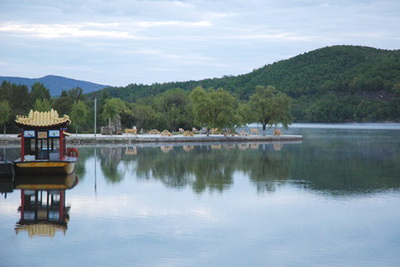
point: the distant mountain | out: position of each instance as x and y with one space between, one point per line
55 84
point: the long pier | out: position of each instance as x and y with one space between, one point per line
157 138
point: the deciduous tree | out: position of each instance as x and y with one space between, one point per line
5 113
39 91
79 114
42 104
112 108
63 104
143 114
271 107
172 106
214 108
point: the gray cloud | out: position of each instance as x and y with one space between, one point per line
120 42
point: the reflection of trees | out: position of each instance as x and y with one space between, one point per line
340 166
170 168
110 157
211 167
334 164
200 167
266 166
84 154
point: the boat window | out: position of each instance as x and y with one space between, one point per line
43 152
30 146
55 199
33 147
54 144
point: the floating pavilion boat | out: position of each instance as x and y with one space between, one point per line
43 144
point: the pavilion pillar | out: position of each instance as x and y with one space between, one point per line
62 147
22 146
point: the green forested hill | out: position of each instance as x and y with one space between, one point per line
332 84
340 69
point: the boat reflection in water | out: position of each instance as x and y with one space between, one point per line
43 211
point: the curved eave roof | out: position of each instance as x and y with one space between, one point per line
41 229
38 119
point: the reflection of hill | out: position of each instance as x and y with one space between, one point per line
348 165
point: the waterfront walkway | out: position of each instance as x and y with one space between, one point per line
157 138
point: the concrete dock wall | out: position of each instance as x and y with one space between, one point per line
148 138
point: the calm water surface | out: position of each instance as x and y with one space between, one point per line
332 200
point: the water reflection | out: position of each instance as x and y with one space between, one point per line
6 184
344 166
109 161
203 167
346 163
42 209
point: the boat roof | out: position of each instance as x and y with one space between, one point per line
41 229
44 119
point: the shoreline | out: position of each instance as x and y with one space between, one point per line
156 138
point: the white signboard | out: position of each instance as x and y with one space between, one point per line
29 134
54 133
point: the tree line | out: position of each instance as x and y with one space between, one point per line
330 85
171 110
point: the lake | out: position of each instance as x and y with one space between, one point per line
330 200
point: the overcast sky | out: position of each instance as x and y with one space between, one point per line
120 42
